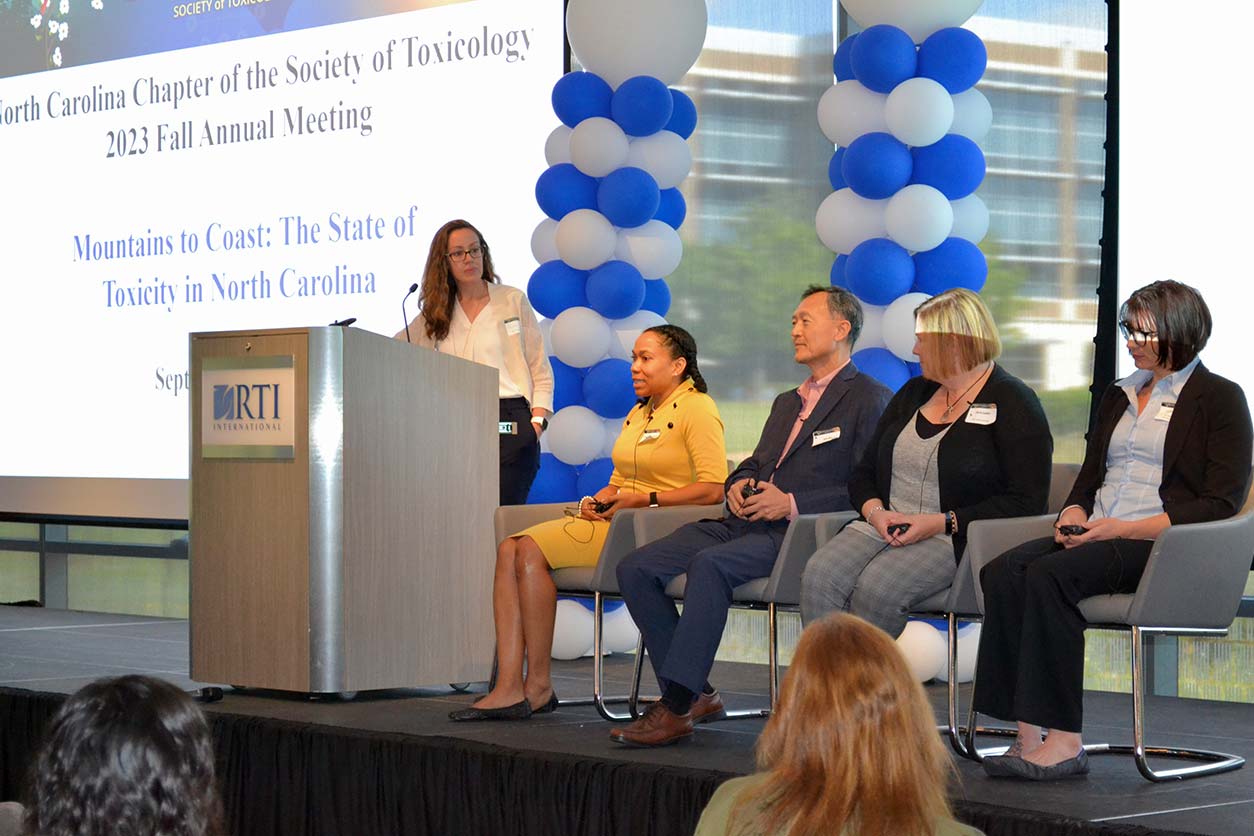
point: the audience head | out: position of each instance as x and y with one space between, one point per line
448 260
663 356
827 322
954 333
852 745
1174 316
125 757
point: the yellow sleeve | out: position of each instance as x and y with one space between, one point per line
703 435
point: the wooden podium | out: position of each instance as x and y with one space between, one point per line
345 543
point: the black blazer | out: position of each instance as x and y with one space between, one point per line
1206 454
985 471
818 477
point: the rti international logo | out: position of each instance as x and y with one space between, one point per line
254 406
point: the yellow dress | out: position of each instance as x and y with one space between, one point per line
675 445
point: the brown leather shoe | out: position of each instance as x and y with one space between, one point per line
658 727
708 707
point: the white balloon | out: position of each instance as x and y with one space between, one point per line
613 426
973 115
899 326
919 111
576 434
654 248
919 18
665 155
618 632
919 217
598 146
628 329
546 331
544 241
572 629
924 648
845 219
970 219
848 110
580 337
618 40
557 146
968 649
585 239
872 335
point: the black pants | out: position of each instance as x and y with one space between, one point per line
1031 662
520 453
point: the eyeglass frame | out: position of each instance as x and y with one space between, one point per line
463 255
1137 336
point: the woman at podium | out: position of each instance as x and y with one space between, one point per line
466 311
670 452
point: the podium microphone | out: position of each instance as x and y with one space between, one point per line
412 288
344 323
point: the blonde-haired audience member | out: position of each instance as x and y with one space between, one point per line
851 749
964 441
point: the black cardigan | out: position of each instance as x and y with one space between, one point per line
1206 454
985 471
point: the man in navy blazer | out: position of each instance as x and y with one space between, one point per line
810 443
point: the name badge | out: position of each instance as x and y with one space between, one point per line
649 435
512 326
824 436
982 414
1164 411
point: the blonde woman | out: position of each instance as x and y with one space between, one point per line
851 749
965 441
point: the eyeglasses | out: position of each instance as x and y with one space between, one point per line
475 253
1137 337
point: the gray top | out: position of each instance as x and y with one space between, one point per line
916 480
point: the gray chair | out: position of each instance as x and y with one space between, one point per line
780 590
1192 586
596 582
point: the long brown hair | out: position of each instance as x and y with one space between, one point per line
439 288
852 746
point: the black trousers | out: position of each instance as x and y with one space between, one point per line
1031 662
520 453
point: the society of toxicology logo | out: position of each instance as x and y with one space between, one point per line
247 406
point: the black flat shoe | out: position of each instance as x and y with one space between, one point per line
549 707
1020 768
517 711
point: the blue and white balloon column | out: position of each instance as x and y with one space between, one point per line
903 219
613 208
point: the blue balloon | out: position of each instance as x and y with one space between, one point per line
556 286
955 263
555 482
657 296
833 170
953 57
916 369
841 66
615 290
593 476
683 119
954 166
883 57
671 208
840 277
883 365
567 385
579 96
879 270
563 188
607 389
642 105
876 165
628 197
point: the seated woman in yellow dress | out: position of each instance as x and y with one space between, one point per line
670 452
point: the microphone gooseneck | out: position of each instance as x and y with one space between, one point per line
412 289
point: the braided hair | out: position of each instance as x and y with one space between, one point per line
681 344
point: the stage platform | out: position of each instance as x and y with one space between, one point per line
391 762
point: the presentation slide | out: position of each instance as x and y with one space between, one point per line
1182 182
179 167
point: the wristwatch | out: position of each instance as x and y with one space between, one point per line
653 503
540 421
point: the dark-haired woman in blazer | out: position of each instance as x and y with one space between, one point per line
1171 445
